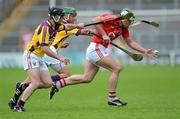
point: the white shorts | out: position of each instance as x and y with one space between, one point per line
52 62
30 61
95 52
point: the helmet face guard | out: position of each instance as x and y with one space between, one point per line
56 14
56 18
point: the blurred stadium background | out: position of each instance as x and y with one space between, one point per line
152 91
18 13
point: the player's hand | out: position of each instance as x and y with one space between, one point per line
80 25
89 31
106 38
151 53
65 60
65 45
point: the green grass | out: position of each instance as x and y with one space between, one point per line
152 92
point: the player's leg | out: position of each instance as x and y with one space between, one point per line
57 66
64 72
61 69
34 76
32 64
109 63
87 77
92 56
20 87
45 79
89 74
120 55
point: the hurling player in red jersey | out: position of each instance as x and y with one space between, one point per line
96 55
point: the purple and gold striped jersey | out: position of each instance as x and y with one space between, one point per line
62 35
43 36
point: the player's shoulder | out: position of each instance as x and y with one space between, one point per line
108 16
44 23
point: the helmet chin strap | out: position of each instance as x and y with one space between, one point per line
56 20
67 18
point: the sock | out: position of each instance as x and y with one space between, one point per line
55 78
21 103
61 83
19 91
112 94
24 86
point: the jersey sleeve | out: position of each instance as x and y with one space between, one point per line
44 36
74 32
61 27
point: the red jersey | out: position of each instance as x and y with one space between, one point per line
113 29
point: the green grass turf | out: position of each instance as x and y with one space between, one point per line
152 92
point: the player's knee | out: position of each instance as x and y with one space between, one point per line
35 84
48 83
67 75
117 69
86 79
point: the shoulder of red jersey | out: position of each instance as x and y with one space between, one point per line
108 16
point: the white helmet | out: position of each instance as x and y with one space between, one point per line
127 13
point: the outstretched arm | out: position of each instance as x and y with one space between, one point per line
134 45
86 31
73 26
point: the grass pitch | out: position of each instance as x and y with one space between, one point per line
152 92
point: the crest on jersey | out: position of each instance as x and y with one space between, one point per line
34 63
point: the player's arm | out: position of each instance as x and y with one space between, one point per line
77 32
73 26
69 26
44 46
50 53
100 29
134 45
86 31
